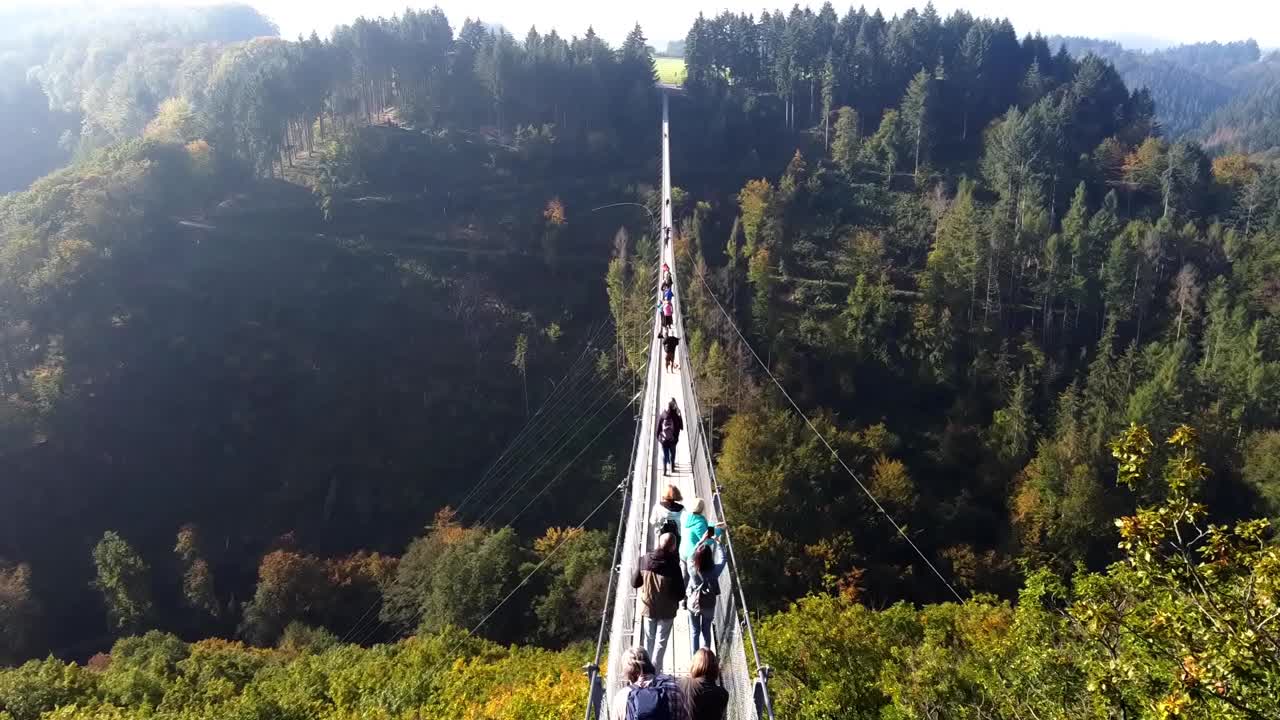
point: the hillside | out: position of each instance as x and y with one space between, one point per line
1221 94
74 82
310 377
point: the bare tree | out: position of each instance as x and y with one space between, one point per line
1185 295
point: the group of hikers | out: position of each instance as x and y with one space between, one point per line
651 695
682 571
666 312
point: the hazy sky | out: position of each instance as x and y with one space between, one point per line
1164 20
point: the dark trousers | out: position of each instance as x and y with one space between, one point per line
669 456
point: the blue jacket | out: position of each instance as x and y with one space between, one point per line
695 526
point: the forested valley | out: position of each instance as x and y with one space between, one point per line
312 351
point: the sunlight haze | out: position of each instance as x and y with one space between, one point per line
1137 24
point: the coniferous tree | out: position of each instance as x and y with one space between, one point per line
845 146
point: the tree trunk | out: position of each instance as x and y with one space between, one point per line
916 173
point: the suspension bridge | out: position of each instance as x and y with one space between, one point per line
742 673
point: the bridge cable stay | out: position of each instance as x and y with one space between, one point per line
866 491
576 404
567 396
563 470
586 420
569 464
562 391
550 404
551 440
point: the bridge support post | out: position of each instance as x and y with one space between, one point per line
764 703
595 692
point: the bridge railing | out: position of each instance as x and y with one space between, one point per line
748 691
623 633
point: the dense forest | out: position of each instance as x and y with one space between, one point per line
1224 94
326 347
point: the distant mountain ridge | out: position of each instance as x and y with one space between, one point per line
1226 95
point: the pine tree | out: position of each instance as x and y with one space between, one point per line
1076 242
917 109
844 149
1013 427
955 259
828 98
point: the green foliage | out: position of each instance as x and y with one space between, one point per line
444 675
1177 628
19 613
455 576
124 579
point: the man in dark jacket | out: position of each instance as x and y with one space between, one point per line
661 589
670 343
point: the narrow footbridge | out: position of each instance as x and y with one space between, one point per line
742 673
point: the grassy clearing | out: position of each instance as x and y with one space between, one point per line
670 70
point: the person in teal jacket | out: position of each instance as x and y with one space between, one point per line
695 527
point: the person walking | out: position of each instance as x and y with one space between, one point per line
648 695
670 343
670 423
707 699
667 513
694 527
704 589
668 314
661 590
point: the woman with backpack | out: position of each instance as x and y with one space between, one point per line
670 423
666 515
648 694
704 588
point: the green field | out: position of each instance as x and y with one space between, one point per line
670 70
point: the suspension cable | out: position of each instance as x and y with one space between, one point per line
828 445
527 476
572 460
541 447
543 411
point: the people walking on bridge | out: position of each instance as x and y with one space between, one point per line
648 695
667 514
707 699
668 313
670 424
667 294
661 591
703 584
670 343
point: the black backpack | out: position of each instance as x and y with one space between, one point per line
653 702
668 428
668 525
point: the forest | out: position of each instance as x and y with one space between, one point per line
311 351
1221 93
